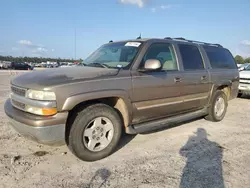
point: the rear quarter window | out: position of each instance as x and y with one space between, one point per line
220 58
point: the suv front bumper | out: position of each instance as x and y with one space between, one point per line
244 88
46 130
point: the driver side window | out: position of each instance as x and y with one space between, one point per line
164 53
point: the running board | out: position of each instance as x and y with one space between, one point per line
165 122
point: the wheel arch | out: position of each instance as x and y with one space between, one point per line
223 86
118 99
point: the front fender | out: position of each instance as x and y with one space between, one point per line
72 101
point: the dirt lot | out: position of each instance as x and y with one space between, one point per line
195 154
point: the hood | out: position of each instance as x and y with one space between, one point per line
57 76
245 74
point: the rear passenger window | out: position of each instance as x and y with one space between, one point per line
191 57
220 57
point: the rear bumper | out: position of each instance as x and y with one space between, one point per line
45 130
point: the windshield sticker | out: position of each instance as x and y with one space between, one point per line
134 44
119 66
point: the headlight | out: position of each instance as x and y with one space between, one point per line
41 95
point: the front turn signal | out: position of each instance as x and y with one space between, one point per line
49 111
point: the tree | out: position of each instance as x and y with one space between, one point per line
239 59
247 60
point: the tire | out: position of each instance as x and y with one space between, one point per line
212 115
239 95
78 143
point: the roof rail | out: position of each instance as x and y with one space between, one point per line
197 42
218 45
179 38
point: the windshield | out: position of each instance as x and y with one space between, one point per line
247 67
114 55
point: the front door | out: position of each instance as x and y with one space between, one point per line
156 94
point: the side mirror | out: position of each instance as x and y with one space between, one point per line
152 65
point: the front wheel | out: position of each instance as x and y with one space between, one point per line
95 132
218 108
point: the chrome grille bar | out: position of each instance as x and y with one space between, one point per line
18 91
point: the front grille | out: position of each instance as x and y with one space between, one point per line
244 82
245 78
18 105
18 91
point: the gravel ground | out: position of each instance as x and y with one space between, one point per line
194 154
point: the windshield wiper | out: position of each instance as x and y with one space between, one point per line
97 65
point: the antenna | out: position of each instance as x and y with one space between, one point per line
139 37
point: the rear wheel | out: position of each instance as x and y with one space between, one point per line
218 108
95 133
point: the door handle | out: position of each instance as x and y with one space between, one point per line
177 79
203 78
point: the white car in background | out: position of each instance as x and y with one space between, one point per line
243 66
244 86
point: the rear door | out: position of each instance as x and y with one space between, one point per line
195 77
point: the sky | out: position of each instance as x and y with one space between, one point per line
56 28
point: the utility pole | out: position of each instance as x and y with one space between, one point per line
75 43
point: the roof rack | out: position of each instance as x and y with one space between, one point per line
179 38
193 41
